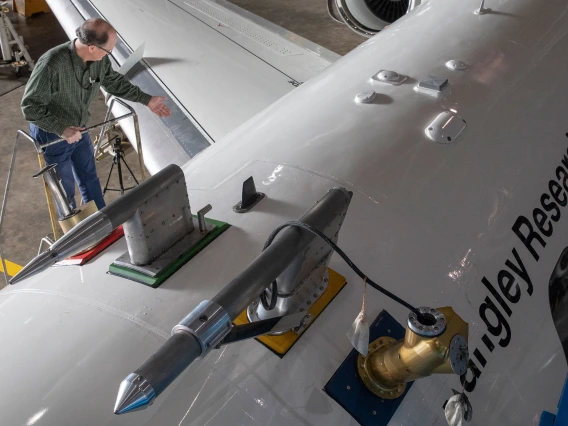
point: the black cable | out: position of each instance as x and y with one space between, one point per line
273 297
343 256
87 68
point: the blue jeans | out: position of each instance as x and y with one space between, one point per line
74 161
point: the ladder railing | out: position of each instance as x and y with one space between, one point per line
39 151
134 116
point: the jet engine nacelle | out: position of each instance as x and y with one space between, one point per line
368 17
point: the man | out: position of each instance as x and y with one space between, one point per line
56 102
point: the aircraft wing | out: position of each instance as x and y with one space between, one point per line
219 64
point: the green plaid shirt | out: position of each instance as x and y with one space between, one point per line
54 99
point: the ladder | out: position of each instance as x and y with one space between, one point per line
14 52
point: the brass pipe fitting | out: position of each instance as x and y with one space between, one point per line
436 343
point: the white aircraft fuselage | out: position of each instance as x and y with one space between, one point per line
477 223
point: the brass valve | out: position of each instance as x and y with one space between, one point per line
435 343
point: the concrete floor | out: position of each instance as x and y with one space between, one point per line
308 19
26 219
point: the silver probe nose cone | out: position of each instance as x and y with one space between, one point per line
35 266
134 394
88 232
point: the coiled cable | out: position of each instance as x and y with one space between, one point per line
274 287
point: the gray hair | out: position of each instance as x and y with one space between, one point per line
94 31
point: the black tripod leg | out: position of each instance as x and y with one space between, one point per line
108 179
118 157
132 174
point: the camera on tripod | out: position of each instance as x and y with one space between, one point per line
117 146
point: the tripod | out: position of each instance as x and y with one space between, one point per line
118 154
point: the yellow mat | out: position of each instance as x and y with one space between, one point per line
282 343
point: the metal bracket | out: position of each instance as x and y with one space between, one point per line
168 256
308 295
459 354
159 223
275 325
305 279
201 219
44 240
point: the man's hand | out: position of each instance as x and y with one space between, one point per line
72 134
157 106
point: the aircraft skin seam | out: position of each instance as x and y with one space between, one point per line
337 181
293 80
86 301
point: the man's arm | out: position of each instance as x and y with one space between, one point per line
36 100
118 85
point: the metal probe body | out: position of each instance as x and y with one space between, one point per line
102 223
187 344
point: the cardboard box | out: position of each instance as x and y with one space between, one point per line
29 7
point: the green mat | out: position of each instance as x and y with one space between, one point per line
156 281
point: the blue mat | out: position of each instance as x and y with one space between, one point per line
351 393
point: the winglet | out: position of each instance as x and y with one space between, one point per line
132 60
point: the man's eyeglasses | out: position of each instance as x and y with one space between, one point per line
102 48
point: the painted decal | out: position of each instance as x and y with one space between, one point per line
513 281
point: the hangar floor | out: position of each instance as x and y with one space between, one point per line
26 220
308 19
